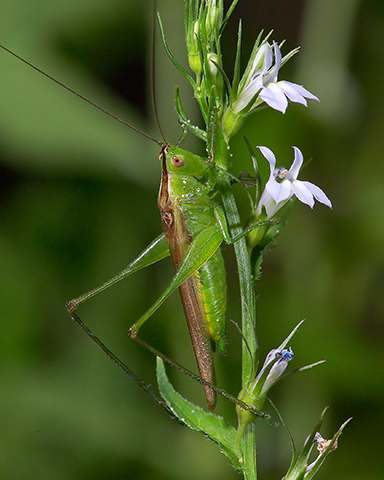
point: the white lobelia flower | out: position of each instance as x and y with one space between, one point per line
274 366
276 195
281 358
265 82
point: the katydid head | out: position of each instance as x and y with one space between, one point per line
178 161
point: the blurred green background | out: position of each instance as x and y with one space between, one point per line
78 202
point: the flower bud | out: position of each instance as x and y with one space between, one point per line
194 58
214 19
212 61
254 394
278 368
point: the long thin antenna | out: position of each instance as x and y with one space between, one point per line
155 114
84 98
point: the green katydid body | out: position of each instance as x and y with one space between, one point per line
188 216
194 228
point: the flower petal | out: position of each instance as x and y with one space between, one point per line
303 193
274 97
248 93
256 61
285 191
277 52
267 57
274 189
299 90
291 92
270 156
318 193
296 165
272 76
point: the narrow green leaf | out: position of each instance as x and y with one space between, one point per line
215 427
173 60
226 18
236 73
184 120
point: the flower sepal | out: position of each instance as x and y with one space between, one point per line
232 122
300 468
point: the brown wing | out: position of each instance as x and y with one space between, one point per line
178 239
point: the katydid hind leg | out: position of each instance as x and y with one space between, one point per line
200 250
131 374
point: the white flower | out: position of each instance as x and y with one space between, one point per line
265 82
276 195
281 358
274 366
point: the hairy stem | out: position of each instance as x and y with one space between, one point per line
248 301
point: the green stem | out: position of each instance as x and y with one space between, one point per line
248 300
248 305
249 452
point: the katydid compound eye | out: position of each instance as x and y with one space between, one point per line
178 161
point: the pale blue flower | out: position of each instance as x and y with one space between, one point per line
281 358
276 194
264 82
274 366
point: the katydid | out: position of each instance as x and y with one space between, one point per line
194 227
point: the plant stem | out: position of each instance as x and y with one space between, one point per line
248 304
249 452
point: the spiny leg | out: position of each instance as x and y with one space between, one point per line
119 363
198 379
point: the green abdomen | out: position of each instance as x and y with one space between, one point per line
214 297
210 278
